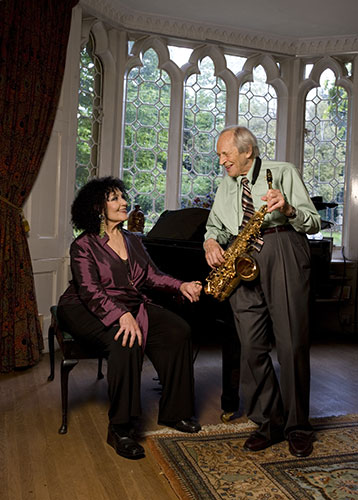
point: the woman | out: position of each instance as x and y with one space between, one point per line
105 306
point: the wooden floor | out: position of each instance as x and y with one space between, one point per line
38 463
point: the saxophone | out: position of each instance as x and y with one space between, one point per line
238 263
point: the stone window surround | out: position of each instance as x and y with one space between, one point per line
288 81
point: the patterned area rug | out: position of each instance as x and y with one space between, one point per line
212 465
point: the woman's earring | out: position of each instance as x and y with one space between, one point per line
102 226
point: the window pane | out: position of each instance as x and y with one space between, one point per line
325 149
204 117
89 115
145 147
258 112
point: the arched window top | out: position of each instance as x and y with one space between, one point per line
337 70
206 76
327 74
218 61
268 64
152 45
259 74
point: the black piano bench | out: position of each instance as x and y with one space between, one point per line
72 352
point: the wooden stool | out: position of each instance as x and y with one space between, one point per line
72 352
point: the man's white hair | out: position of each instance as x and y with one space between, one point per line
244 139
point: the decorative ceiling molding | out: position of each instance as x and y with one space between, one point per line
122 17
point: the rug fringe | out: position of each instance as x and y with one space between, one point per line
236 427
209 428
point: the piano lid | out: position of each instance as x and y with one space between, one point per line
186 224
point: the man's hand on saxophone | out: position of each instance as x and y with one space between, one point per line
276 201
213 253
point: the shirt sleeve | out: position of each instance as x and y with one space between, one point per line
215 228
222 222
92 293
307 218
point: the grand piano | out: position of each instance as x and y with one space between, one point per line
175 244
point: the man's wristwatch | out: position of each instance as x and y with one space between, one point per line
292 213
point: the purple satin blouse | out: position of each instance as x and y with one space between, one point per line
101 281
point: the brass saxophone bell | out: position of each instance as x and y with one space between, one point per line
246 267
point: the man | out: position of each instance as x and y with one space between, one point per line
277 301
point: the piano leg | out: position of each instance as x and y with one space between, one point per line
231 351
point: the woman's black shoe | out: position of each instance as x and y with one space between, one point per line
124 445
183 425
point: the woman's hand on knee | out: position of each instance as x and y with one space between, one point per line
129 329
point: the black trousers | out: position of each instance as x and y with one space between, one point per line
168 347
277 303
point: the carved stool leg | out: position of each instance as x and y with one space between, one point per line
51 348
66 367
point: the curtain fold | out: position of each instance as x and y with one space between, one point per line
33 42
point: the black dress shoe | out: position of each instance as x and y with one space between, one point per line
300 443
257 442
183 426
124 445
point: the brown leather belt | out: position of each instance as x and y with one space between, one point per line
277 229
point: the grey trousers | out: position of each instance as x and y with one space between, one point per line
275 306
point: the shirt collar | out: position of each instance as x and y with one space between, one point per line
253 173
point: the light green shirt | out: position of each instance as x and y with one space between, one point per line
226 214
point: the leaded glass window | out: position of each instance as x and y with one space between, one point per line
325 146
89 115
145 147
204 118
258 112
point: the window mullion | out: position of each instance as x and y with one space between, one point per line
175 146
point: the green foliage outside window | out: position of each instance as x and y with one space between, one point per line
146 133
258 112
204 118
325 149
145 147
89 115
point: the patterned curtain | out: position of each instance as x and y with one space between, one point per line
33 42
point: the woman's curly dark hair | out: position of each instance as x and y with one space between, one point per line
91 201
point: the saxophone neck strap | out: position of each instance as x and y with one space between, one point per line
257 168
